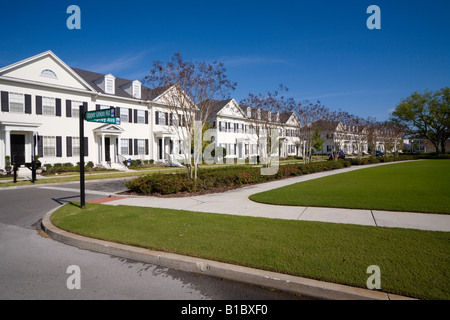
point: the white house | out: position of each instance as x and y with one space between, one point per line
40 106
238 129
40 103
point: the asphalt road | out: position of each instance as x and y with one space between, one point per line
33 266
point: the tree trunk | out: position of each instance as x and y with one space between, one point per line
443 146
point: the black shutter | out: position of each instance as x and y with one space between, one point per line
58 107
136 150
69 146
146 117
146 147
59 147
130 147
156 117
5 101
171 119
117 112
97 107
86 146
135 116
38 105
130 115
68 108
28 103
40 144
167 118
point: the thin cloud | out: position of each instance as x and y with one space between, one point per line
253 60
118 64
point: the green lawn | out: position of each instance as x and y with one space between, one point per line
418 186
413 262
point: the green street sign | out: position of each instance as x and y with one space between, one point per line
99 114
107 120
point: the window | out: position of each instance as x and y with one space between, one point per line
49 146
141 146
137 90
76 108
124 146
48 106
75 146
140 116
161 118
48 74
124 116
109 85
16 102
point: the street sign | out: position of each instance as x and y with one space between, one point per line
99 114
107 120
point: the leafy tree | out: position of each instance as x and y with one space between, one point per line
426 116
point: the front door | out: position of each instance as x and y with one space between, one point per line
17 149
107 149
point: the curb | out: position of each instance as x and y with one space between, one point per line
298 285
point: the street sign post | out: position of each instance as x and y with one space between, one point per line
82 184
107 120
100 114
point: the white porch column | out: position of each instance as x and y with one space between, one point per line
102 149
8 143
119 149
163 148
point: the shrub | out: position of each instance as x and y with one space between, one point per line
233 176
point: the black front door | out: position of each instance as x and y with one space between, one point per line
107 150
17 149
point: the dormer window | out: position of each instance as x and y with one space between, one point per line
109 84
136 89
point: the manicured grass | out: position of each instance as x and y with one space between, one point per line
419 186
413 262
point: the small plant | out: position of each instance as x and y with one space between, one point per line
8 160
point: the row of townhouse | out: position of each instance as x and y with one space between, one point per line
41 99
354 140
239 129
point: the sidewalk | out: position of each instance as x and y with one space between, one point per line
237 202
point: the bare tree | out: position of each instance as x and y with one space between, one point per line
190 89
311 117
264 108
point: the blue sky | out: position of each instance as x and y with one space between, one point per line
320 50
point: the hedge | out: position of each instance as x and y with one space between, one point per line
227 177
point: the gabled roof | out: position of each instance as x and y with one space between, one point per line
54 57
91 78
215 106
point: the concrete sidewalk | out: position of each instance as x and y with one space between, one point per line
237 202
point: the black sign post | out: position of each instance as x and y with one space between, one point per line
105 116
82 185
